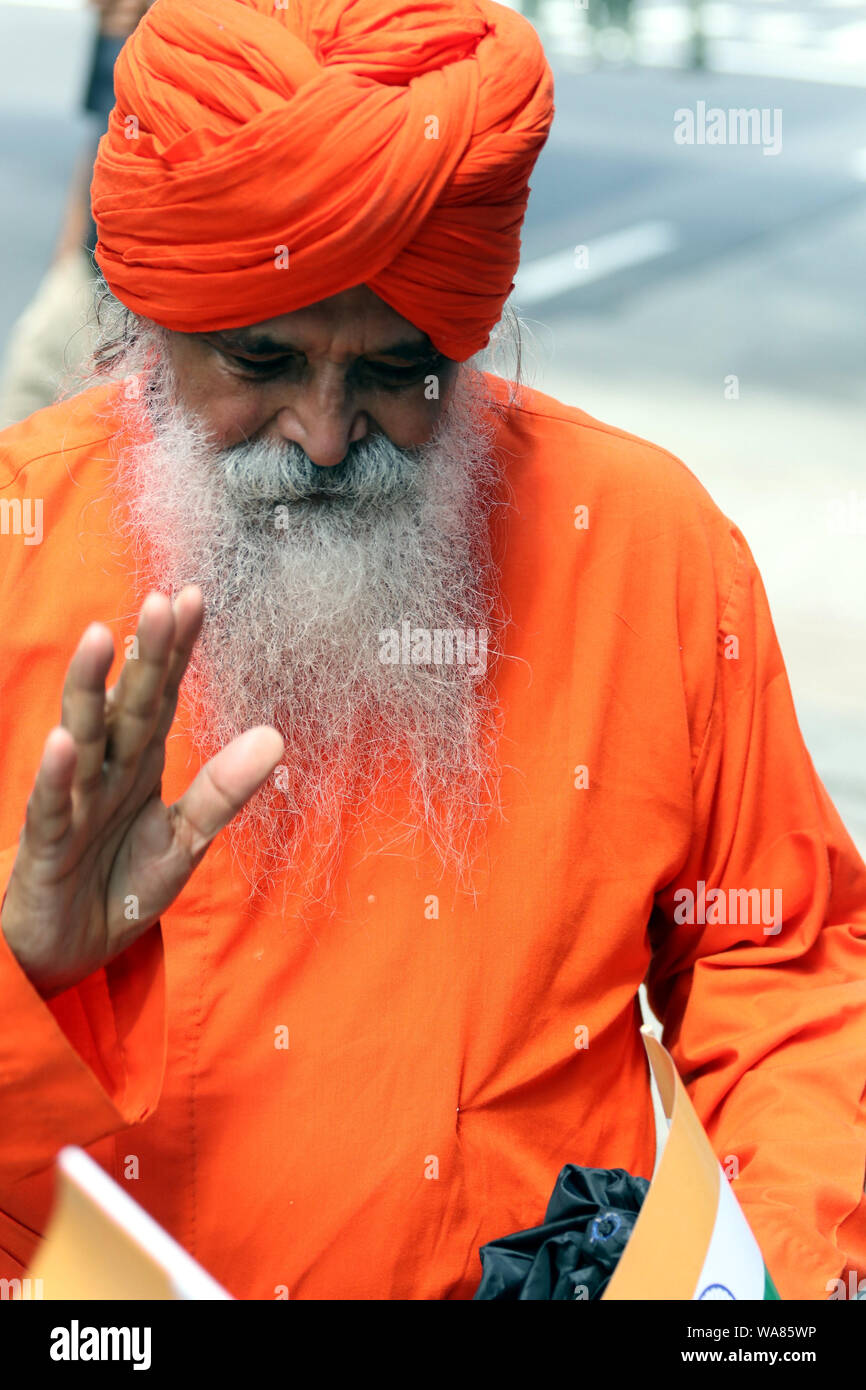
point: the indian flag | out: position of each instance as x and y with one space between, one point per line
733 1266
691 1239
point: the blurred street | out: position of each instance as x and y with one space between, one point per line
718 307
711 262
818 40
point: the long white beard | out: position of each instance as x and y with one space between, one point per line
300 592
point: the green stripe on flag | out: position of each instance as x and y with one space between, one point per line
770 1290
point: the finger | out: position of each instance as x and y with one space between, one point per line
188 617
133 704
83 702
224 785
49 809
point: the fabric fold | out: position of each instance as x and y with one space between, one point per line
374 144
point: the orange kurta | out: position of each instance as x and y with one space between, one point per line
432 1088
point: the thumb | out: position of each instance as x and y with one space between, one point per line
224 785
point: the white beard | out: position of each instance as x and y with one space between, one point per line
297 591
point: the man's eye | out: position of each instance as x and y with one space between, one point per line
395 378
258 366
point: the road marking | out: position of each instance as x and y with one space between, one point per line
558 274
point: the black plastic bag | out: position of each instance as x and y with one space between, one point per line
573 1254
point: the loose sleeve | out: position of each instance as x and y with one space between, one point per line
759 963
83 1065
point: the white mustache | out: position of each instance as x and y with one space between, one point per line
374 472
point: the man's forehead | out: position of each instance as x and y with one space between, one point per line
354 323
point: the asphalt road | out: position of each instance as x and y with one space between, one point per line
702 263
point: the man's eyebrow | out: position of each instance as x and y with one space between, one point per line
261 345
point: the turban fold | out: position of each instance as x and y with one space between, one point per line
265 154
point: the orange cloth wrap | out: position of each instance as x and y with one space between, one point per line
380 143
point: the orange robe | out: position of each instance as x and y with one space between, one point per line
434 1081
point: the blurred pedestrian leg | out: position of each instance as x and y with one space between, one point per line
57 331
52 337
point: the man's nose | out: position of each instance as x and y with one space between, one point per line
324 421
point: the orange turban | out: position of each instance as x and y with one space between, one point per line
265 154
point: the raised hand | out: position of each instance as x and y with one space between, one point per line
101 856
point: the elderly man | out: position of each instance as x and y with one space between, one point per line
485 694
